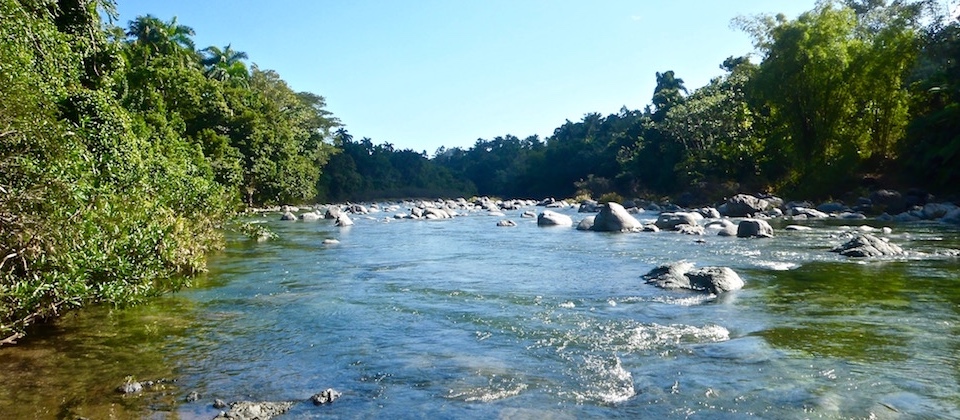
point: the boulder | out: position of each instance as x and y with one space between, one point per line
849 215
289 216
865 245
832 207
690 230
743 205
889 201
754 229
247 410
310 216
435 213
932 211
552 218
357 209
326 397
723 227
709 213
669 221
332 213
507 223
589 206
614 218
953 217
807 212
343 220
530 214
797 228
650 228
682 275
587 223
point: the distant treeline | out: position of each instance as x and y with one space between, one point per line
851 90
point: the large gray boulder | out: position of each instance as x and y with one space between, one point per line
332 213
586 223
288 216
723 227
343 220
670 221
743 205
614 218
865 245
682 275
754 228
552 218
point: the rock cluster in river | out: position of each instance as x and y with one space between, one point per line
864 245
248 410
683 275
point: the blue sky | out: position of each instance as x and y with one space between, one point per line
428 73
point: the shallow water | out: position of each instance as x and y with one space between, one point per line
460 318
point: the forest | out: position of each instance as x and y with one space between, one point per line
125 149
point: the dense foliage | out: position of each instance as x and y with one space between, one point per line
849 90
122 152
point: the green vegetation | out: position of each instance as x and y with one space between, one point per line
849 89
123 151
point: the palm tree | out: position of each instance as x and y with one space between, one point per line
161 38
224 64
667 93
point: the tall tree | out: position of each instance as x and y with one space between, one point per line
225 64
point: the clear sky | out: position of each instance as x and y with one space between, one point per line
421 74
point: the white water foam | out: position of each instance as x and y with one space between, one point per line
604 380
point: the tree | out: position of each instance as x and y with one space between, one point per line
830 87
153 37
225 65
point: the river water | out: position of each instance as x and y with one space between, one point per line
459 318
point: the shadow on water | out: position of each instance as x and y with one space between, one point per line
857 311
71 368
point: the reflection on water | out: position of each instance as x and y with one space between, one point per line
460 318
71 369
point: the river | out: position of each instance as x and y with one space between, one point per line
460 318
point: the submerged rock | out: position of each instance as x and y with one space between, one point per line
507 223
131 387
247 410
865 245
682 275
326 397
691 230
614 218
